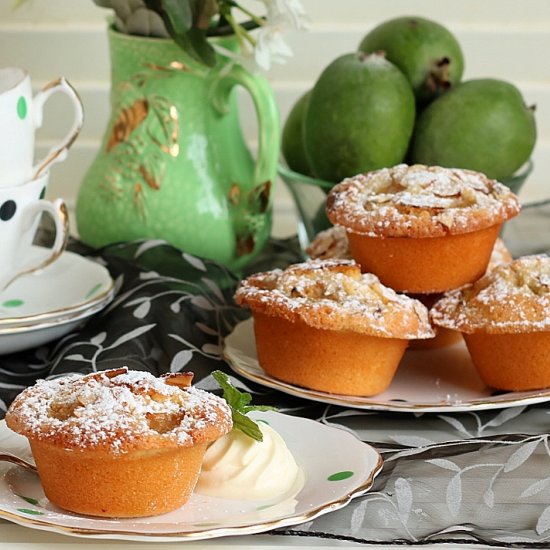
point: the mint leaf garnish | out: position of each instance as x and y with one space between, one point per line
240 405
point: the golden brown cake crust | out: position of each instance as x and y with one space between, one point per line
334 295
500 255
330 243
118 411
420 201
513 298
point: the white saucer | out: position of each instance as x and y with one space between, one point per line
337 467
45 305
439 380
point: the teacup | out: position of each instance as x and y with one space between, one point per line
21 207
20 115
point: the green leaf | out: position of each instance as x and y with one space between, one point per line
31 512
234 397
246 425
29 500
258 408
178 13
239 403
196 44
183 21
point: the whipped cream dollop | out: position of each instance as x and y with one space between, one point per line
239 467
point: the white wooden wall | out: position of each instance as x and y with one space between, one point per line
507 39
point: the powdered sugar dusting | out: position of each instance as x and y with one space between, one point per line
330 243
420 201
116 412
513 298
333 294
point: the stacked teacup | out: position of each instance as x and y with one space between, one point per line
23 181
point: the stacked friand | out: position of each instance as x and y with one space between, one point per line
422 229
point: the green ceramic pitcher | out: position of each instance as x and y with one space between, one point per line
173 163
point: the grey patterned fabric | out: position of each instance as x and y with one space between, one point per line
473 476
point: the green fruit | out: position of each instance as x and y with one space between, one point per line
427 53
360 117
292 142
480 124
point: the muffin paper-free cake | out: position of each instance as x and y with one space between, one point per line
422 229
119 443
504 318
326 326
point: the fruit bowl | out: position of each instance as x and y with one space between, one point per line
516 181
309 195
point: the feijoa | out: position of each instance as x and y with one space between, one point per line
481 124
427 52
360 117
292 141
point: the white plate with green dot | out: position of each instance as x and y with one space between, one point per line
42 306
336 466
69 285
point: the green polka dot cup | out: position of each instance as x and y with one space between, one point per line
21 207
21 114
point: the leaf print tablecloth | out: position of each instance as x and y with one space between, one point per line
471 476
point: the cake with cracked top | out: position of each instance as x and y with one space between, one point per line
422 229
118 443
504 318
326 326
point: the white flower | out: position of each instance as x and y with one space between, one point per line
281 15
287 13
266 45
270 47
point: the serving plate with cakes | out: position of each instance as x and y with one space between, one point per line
119 453
490 348
410 302
337 468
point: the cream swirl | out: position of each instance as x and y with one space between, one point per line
239 467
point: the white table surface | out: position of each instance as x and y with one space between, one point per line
16 537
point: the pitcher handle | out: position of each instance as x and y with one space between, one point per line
267 114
